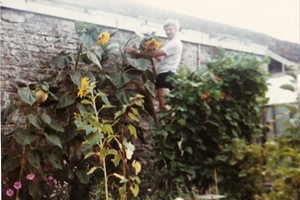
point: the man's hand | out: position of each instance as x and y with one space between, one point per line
130 50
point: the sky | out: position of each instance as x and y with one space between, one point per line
277 18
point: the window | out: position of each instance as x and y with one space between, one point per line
275 67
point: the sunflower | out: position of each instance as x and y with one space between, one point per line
84 82
103 38
152 44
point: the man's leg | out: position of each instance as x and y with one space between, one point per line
161 93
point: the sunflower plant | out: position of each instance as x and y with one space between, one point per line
49 141
150 41
109 136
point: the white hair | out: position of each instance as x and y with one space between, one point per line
173 23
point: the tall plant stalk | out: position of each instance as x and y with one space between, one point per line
96 112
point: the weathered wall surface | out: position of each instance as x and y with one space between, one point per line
29 40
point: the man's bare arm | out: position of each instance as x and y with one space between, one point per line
153 54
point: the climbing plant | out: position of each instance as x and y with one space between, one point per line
214 111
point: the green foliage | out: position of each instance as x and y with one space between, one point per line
49 141
110 138
283 155
8 111
241 168
210 110
148 37
26 95
61 61
212 127
288 87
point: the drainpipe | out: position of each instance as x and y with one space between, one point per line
274 120
199 57
283 67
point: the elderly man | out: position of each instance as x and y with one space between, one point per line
169 56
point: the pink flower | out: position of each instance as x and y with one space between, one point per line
17 185
9 192
50 178
54 181
30 176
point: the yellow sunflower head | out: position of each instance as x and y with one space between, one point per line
152 44
84 82
103 38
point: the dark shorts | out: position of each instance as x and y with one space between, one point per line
161 81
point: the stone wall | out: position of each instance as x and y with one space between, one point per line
29 40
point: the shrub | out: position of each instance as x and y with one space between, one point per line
215 114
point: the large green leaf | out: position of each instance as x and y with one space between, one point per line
35 190
26 95
87 33
56 126
103 153
84 110
7 111
54 160
120 79
93 138
113 47
75 77
288 87
94 58
66 101
35 121
150 75
132 130
140 64
84 125
44 85
134 117
45 118
117 158
82 176
149 88
104 98
53 139
89 154
135 189
33 158
124 96
23 136
91 57
113 32
60 61
78 25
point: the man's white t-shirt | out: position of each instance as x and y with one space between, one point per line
173 51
